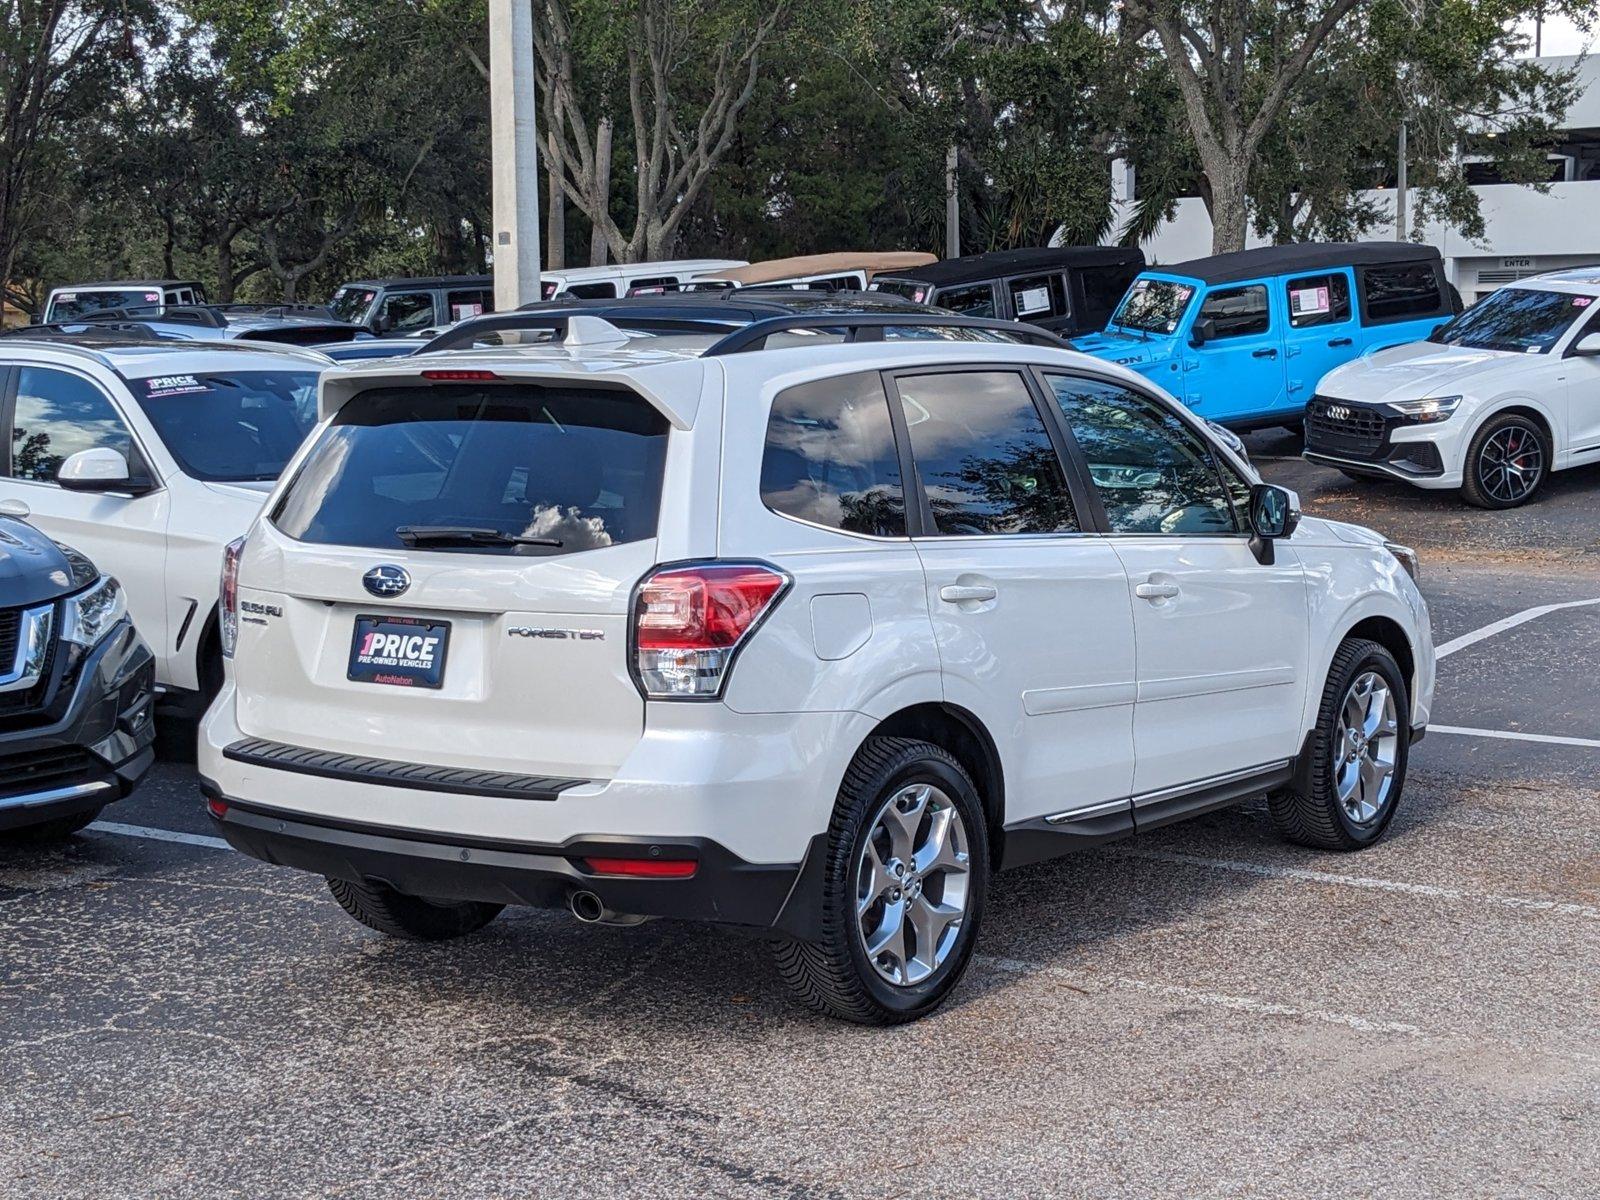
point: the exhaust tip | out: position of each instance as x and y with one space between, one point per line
586 906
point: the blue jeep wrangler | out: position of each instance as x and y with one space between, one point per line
1243 338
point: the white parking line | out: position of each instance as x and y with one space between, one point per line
159 835
1175 991
1511 736
1431 891
1505 623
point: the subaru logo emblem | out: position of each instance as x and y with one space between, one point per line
386 580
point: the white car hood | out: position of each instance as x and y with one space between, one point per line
1419 370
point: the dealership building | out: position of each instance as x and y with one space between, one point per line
1527 232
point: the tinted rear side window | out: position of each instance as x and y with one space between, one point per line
1238 311
830 457
1319 300
581 466
1400 290
986 464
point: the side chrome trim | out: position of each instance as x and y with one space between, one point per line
1201 785
35 799
1143 799
1089 813
33 647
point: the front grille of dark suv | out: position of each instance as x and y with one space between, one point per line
27 707
1337 427
35 771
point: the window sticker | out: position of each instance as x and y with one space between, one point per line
460 312
152 297
173 385
66 295
1582 301
1310 302
1032 300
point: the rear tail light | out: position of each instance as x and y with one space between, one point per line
228 598
689 623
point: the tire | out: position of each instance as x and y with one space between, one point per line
1513 437
378 906
57 830
1310 810
835 975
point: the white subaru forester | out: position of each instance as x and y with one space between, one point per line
806 631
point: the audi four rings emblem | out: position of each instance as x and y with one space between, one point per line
386 580
1338 412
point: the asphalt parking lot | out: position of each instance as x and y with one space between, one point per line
1204 1012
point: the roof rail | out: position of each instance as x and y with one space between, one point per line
869 327
464 333
84 329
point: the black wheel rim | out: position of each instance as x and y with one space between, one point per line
1511 464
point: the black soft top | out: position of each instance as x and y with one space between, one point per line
1300 256
431 281
129 283
974 268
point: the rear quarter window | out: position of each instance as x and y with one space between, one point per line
1399 291
830 457
578 466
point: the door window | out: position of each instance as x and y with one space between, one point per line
985 462
403 311
1237 311
973 300
591 291
1153 473
830 457
1399 291
473 302
1318 300
56 416
1037 297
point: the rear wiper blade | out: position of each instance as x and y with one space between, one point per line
468 535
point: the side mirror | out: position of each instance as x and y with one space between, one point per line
1204 330
1274 513
1588 346
100 469
382 324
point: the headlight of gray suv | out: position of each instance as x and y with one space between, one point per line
1425 412
93 612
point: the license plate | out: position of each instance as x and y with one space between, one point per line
399 651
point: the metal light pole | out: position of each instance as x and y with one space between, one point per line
1400 198
514 140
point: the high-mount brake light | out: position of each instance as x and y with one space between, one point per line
228 623
460 376
690 621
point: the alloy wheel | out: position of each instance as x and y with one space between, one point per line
1366 747
912 884
1511 464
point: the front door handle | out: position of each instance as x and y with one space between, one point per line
1339 341
1156 591
14 508
1263 354
957 593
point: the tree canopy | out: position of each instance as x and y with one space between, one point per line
271 150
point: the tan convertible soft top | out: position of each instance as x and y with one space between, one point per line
778 270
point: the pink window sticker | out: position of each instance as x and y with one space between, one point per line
1582 301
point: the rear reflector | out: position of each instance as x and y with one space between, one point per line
460 376
217 808
644 868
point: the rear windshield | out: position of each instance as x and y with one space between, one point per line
1523 320
67 305
910 289
235 427
572 468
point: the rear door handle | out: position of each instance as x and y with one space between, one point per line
955 593
1156 591
1338 341
1264 354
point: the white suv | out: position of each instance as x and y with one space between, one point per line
149 457
807 639
1506 393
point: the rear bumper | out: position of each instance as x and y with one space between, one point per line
98 749
724 889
